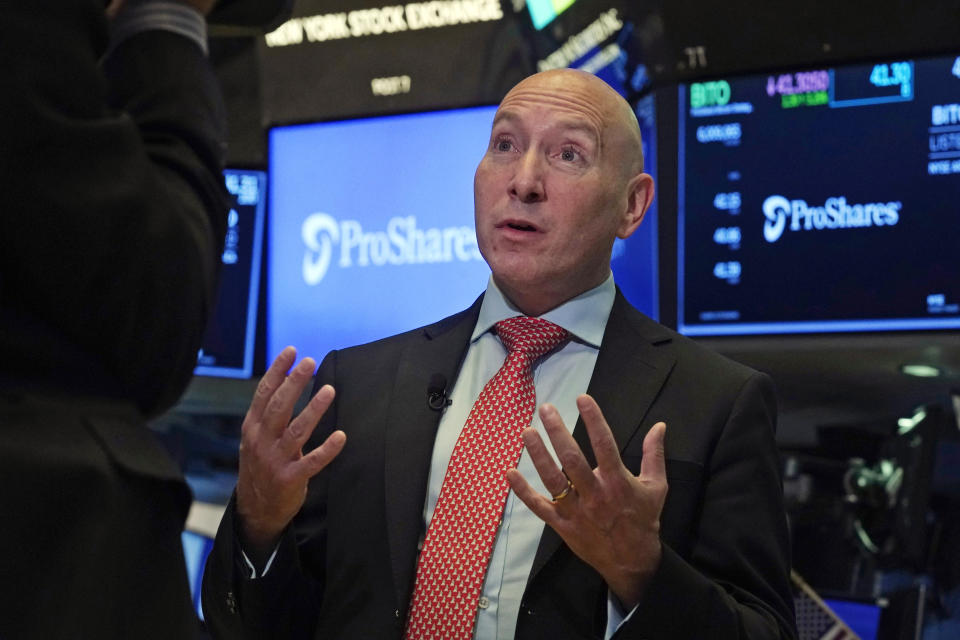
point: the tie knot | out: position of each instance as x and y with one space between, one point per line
530 336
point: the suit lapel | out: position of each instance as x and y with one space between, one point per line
438 349
634 361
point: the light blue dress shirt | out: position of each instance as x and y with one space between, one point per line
558 378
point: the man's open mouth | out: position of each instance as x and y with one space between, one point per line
520 226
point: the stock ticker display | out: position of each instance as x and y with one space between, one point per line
820 201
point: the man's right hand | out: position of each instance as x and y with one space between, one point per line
274 471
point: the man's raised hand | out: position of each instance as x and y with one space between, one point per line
272 481
607 516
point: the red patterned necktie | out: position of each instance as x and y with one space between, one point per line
460 538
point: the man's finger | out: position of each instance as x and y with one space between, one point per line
568 452
280 407
601 438
315 461
539 505
652 466
270 382
298 432
551 475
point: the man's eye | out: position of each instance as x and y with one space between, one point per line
568 155
504 145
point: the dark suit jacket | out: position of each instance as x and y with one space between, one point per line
112 218
345 569
112 205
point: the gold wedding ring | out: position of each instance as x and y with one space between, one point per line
566 491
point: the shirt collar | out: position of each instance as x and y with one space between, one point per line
584 316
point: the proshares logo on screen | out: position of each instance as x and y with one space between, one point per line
401 243
834 214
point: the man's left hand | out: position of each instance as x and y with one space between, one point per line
609 517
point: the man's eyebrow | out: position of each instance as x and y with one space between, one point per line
570 124
504 114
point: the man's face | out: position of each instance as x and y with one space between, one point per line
556 186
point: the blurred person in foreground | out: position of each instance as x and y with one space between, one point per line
112 216
641 500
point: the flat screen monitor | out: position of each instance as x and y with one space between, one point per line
823 200
227 349
196 548
371 227
863 617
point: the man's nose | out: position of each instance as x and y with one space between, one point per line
527 183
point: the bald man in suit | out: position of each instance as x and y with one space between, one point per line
647 500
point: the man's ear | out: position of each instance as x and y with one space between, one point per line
639 196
